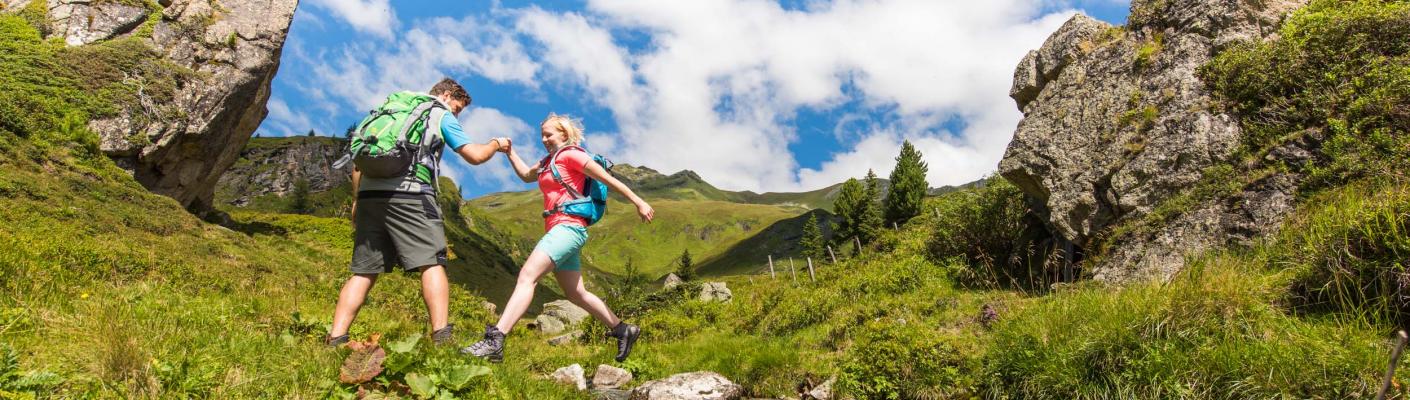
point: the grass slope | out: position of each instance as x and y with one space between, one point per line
705 227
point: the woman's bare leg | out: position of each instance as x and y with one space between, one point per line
572 284
534 268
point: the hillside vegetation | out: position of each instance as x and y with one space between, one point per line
112 292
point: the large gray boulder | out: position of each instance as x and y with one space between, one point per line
1116 121
703 385
559 315
222 58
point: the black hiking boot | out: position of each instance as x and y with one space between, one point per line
331 341
443 335
626 335
491 347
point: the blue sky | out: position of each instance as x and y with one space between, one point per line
753 95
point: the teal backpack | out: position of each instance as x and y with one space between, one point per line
388 141
590 204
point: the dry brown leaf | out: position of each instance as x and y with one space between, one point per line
364 363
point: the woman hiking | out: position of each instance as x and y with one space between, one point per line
561 245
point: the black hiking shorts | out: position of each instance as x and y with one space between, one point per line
394 228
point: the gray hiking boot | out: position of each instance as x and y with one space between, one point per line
491 347
443 335
331 341
626 335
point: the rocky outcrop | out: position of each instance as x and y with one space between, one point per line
81 23
226 52
276 165
1117 121
702 385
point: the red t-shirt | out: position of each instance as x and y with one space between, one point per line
570 168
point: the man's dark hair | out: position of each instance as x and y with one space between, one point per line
450 87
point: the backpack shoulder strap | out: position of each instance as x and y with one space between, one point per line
553 168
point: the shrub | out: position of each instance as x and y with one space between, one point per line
990 235
1339 70
901 361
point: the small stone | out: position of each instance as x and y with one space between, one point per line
822 391
548 324
611 394
671 281
701 385
715 291
609 377
570 375
565 338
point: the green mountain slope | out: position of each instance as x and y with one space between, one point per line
705 227
729 232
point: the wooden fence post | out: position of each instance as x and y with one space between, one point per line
771 266
792 270
812 277
831 254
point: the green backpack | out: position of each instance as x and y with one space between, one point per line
387 143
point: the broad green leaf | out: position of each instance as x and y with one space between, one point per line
460 376
399 363
405 345
421 385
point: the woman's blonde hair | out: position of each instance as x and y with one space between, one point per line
571 126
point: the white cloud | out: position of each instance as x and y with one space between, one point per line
372 16
483 124
362 74
718 89
718 86
284 121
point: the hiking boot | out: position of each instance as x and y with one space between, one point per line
335 341
491 347
626 335
443 335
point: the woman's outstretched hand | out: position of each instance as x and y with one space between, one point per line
645 211
505 144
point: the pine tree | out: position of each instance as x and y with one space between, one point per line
310 133
908 186
870 214
813 244
848 207
686 269
298 199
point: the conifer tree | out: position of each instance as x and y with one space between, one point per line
813 244
848 206
870 216
686 267
908 186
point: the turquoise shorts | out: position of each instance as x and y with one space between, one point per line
563 244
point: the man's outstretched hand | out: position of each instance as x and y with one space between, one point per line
504 144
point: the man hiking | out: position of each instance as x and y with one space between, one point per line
396 218
574 185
